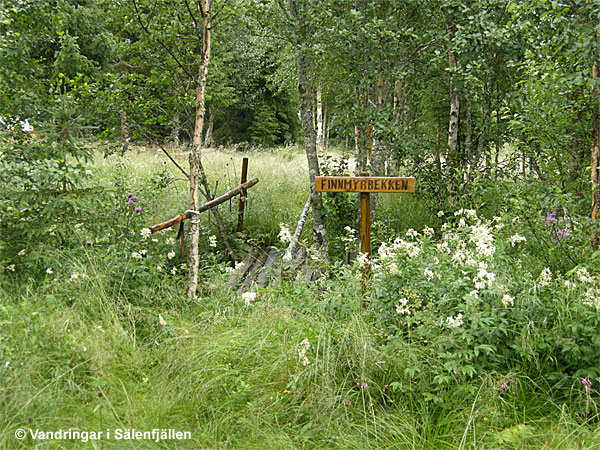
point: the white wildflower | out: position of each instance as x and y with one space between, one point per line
474 293
428 274
402 307
49 271
136 255
229 269
174 270
412 233
569 284
363 260
592 298
162 321
507 300
171 255
440 213
145 233
455 322
21 253
428 231
584 276
248 298
462 223
143 252
483 240
74 276
545 277
284 234
11 268
516 238
304 346
170 240
212 241
159 268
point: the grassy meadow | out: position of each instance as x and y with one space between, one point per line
99 335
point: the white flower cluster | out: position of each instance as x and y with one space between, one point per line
212 241
545 277
145 233
592 298
284 234
584 276
428 231
248 298
455 322
516 238
412 233
304 346
402 308
484 279
363 260
428 274
483 239
507 300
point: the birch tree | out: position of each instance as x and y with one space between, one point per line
183 29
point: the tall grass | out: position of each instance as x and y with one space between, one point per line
232 374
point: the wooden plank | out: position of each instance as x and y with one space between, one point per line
268 268
365 236
365 184
251 276
244 267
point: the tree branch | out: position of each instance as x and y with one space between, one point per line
157 39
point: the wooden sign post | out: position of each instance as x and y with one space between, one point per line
365 184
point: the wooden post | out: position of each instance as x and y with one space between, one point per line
365 234
243 196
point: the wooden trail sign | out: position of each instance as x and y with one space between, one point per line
364 185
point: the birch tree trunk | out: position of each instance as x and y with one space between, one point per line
454 102
196 154
595 178
320 233
319 139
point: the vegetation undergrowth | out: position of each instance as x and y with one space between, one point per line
467 341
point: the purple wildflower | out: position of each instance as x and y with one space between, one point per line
100 394
134 198
504 385
130 195
88 242
138 209
130 202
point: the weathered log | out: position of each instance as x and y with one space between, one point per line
208 205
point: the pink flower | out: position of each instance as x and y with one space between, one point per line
134 198
130 202
130 195
348 403
138 209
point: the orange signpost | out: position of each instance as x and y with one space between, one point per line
364 185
